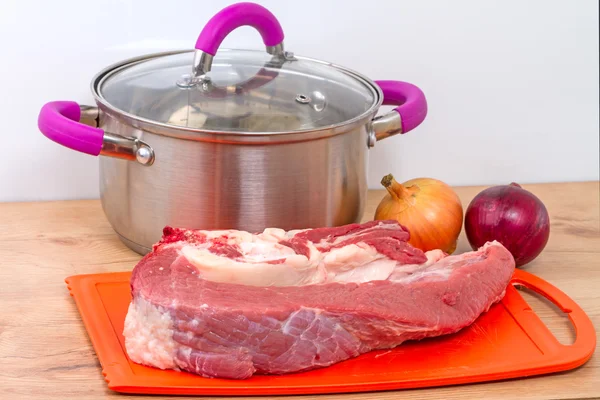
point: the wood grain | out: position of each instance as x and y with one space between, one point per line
44 348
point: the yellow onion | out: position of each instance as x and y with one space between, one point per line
428 208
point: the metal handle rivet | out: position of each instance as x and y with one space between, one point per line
302 99
143 155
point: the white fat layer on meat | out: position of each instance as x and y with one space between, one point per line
254 270
379 269
261 251
257 267
354 263
410 272
272 234
148 335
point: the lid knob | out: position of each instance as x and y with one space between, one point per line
229 19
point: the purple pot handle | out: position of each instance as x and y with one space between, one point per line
411 102
59 121
235 16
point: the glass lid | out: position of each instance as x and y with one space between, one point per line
242 91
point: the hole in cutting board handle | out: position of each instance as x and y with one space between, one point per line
550 314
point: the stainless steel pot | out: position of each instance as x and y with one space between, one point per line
234 139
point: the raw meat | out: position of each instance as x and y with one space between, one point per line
230 304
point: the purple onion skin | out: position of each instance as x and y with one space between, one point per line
511 215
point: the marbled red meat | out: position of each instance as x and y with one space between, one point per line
231 304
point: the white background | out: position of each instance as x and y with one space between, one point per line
512 85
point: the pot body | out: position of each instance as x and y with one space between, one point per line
272 141
200 184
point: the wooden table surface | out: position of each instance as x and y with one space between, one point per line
45 352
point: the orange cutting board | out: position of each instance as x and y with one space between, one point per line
509 341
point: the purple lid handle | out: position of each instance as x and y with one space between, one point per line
59 121
229 19
235 16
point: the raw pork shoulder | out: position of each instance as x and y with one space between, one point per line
230 304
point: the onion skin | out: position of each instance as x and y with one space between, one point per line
427 207
511 215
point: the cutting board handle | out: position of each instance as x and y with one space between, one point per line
585 334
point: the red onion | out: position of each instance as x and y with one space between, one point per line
511 215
